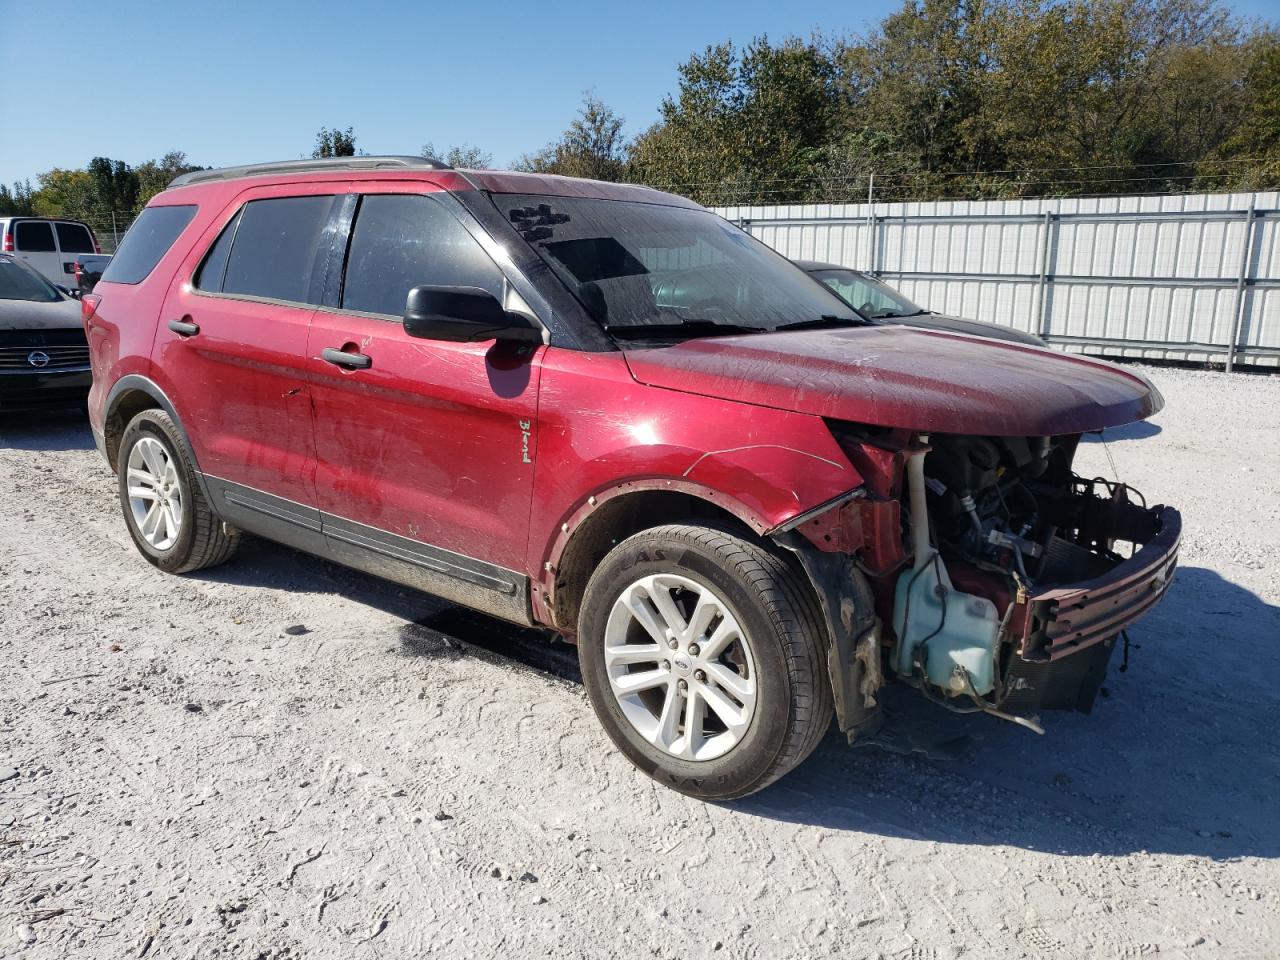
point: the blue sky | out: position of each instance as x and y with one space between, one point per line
234 82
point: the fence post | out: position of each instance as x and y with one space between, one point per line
871 223
115 234
1242 281
1042 300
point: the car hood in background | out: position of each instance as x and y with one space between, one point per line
898 376
976 328
29 315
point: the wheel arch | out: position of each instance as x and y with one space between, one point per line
609 517
128 397
851 637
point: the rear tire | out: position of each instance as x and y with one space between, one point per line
168 517
692 628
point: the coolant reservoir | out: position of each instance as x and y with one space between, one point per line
965 637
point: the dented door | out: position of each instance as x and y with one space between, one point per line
425 440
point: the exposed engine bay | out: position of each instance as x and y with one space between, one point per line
1014 577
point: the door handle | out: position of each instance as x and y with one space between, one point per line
350 361
184 328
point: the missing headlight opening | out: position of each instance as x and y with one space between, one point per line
1016 576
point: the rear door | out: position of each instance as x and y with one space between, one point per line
34 243
232 347
73 240
424 457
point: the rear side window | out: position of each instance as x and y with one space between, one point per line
274 249
34 236
147 240
404 240
74 238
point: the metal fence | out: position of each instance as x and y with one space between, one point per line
1193 277
108 227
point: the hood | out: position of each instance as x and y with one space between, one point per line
897 376
975 328
30 315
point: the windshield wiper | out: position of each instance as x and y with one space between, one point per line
686 328
827 321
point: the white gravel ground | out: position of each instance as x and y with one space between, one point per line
406 779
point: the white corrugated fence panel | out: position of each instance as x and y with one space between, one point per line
1149 276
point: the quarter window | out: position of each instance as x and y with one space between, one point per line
74 238
146 241
34 236
401 241
274 251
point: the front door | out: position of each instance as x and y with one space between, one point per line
424 457
231 346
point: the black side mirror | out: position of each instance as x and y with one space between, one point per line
464 315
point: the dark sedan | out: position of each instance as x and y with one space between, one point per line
44 357
879 301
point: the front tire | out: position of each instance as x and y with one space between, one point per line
703 656
168 517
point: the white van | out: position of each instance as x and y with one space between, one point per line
48 245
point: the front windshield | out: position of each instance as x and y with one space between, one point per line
646 270
871 298
17 282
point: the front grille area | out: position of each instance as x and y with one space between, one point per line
61 357
65 347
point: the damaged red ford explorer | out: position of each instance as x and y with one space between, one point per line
604 410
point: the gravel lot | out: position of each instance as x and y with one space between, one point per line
183 777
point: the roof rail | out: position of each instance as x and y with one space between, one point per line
309 166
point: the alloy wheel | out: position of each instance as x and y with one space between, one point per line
155 494
680 667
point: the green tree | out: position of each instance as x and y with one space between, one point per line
154 176
744 125
65 193
1030 97
1106 96
335 143
918 78
464 156
17 202
115 185
976 98
593 146
1257 136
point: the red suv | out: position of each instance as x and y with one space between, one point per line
603 409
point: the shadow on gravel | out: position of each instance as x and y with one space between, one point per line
1138 430
459 632
437 628
1180 757
46 430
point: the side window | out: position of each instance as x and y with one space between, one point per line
860 295
401 241
274 251
74 238
209 276
34 236
146 241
